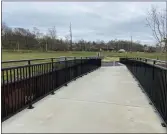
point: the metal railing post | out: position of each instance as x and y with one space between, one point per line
86 66
29 85
81 68
75 69
153 68
145 67
52 93
66 71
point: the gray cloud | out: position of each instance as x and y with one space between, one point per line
90 20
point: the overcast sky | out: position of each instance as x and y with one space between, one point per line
90 20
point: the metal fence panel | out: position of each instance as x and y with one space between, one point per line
153 79
24 85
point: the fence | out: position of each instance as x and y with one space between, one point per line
153 78
24 85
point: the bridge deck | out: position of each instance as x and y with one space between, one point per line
106 100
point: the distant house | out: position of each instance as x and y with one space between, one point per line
161 47
150 49
121 51
106 48
146 49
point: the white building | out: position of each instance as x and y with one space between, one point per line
161 47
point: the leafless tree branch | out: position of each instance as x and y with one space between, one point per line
156 22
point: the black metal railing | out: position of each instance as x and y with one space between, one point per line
153 78
23 85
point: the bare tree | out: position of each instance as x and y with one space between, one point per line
3 28
52 32
53 35
156 20
38 36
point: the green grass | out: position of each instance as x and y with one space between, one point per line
10 55
6 55
110 56
35 55
160 56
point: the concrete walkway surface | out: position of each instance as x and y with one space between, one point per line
107 100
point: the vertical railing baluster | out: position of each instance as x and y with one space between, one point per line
20 89
9 95
81 68
33 83
24 84
75 68
3 91
66 71
30 86
44 70
13 95
52 77
17 87
48 78
41 81
153 69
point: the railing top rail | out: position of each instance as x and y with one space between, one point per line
154 64
9 61
26 60
60 59
149 59
14 67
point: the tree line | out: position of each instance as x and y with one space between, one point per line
25 39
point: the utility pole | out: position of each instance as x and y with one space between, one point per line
46 46
70 37
166 35
18 46
131 44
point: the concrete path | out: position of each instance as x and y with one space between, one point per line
107 100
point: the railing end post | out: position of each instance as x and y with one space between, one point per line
52 93
29 62
154 62
163 125
30 106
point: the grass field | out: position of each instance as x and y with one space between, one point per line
34 55
160 56
37 55
109 56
